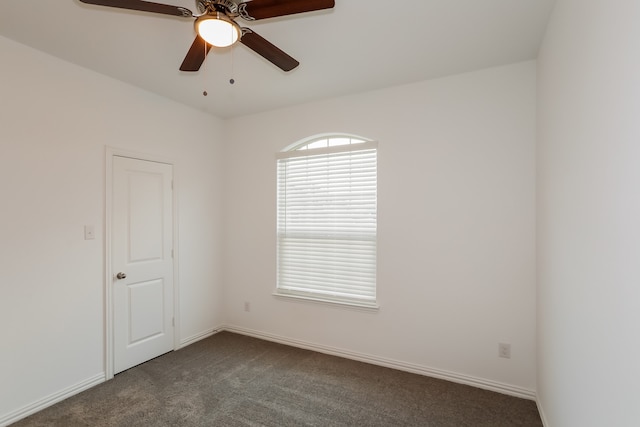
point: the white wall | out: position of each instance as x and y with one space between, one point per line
55 121
456 225
588 215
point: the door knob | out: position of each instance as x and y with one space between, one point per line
121 276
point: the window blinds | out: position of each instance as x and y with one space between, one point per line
327 203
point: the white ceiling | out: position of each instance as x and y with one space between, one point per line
359 45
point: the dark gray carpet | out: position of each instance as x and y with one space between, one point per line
234 380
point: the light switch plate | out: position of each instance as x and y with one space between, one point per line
89 232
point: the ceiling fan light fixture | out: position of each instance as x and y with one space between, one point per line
218 29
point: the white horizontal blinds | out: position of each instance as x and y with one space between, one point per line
327 222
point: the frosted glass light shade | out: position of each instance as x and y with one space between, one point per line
217 30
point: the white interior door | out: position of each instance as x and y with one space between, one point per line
141 261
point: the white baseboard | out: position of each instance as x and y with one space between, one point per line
52 399
395 364
543 417
197 337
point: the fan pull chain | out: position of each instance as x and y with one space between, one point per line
231 80
204 71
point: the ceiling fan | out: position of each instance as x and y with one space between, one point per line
216 25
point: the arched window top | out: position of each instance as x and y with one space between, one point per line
326 141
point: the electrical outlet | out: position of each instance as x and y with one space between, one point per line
247 306
504 350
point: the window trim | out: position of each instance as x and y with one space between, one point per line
362 305
293 151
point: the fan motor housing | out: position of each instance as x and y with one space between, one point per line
205 6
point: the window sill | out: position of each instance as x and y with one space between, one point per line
372 307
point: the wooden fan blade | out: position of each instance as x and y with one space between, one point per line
145 6
267 50
196 55
261 9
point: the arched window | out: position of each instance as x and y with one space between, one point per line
327 220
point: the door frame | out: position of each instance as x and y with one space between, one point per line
110 153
